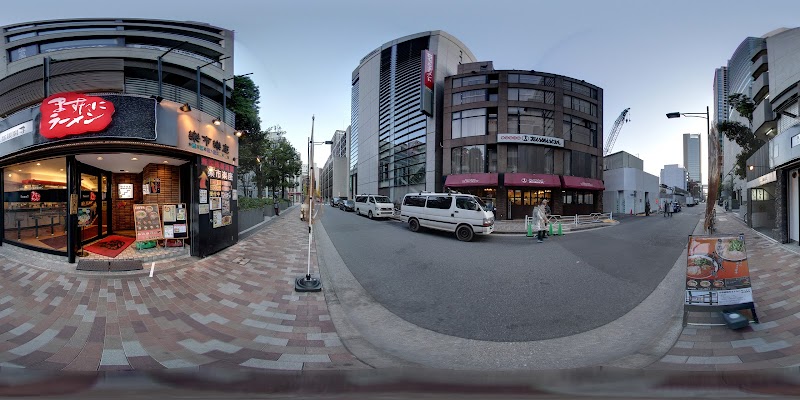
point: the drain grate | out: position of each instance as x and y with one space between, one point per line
109 265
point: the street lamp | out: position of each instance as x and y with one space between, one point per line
306 283
707 116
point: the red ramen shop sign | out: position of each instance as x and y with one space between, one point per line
67 114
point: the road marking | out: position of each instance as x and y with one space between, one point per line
152 268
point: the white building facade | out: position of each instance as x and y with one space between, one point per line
627 187
673 175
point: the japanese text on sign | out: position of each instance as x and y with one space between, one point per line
67 114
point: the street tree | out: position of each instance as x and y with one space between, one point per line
245 104
744 137
743 105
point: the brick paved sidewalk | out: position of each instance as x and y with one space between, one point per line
773 343
235 309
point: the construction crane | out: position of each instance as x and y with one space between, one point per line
612 137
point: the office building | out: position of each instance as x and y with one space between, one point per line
396 120
516 137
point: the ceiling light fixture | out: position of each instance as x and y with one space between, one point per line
134 159
186 107
100 158
38 163
62 169
166 162
216 121
19 170
238 133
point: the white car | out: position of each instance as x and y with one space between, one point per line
463 214
374 206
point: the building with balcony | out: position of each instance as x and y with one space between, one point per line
776 169
502 140
628 189
117 128
721 108
396 118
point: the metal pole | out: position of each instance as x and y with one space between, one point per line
198 89
311 197
46 68
160 79
224 100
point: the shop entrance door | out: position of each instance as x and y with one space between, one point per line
94 207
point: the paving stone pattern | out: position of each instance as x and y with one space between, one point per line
235 309
775 341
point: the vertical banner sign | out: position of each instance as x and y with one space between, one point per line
426 83
717 273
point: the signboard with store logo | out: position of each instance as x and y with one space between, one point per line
77 116
208 140
213 206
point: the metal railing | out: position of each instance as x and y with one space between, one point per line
178 94
593 218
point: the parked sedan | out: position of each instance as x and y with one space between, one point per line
347 205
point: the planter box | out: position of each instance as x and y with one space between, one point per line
249 218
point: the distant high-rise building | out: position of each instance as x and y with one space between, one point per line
721 105
691 156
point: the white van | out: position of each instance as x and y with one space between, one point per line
463 214
373 205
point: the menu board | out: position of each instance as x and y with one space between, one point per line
218 178
217 218
125 190
175 221
170 212
84 216
147 222
216 203
717 273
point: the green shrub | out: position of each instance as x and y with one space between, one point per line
250 203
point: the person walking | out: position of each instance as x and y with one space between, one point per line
276 206
671 208
539 220
666 205
647 209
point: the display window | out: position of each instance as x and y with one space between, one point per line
35 203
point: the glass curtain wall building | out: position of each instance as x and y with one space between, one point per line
395 141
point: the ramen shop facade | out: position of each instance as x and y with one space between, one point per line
79 168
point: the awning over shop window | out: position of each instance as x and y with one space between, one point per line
532 180
577 182
464 180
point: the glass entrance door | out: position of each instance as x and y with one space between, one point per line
95 203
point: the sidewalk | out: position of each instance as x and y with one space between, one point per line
773 343
235 310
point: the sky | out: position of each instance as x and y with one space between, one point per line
652 56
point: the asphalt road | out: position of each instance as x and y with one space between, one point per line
510 288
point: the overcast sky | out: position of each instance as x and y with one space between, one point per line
652 56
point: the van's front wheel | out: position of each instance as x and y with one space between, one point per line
413 224
464 233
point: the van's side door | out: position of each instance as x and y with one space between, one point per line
439 213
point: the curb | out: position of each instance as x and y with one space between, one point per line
656 348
